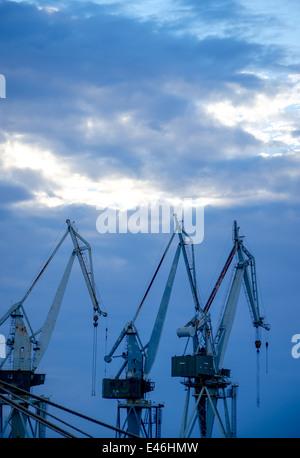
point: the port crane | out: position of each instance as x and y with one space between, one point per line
132 382
26 346
202 369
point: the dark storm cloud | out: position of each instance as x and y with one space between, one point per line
59 53
83 66
105 49
10 194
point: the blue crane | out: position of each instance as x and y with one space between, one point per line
132 382
203 370
138 362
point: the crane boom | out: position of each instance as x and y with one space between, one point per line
86 267
228 317
160 318
220 279
87 270
48 327
19 304
17 310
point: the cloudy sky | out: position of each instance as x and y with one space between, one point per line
113 103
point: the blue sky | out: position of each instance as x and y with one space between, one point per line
111 103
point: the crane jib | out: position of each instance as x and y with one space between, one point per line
220 279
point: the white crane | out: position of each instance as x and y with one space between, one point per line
26 346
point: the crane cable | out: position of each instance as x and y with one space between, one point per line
94 360
267 357
153 278
58 406
257 346
257 379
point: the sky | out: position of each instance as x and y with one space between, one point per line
112 104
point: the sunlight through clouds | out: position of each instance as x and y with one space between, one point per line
266 117
66 186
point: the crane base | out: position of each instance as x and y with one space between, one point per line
192 365
21 379
133 388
